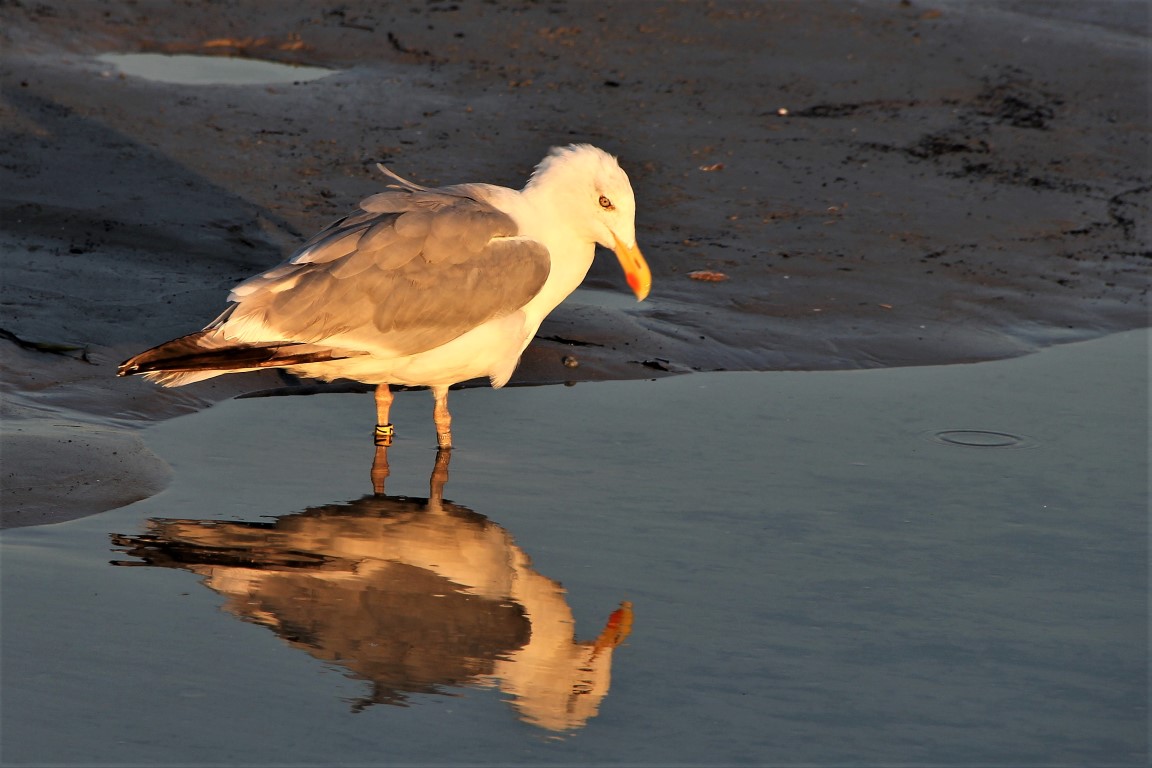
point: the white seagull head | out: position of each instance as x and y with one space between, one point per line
592 186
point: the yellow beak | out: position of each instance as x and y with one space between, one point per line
635 269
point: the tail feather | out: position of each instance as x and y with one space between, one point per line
205 354
180 378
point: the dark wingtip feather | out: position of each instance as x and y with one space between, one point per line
203 351
167 356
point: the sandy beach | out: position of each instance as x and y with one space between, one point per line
878 184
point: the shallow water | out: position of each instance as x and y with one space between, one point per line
932 565
190 69
591 297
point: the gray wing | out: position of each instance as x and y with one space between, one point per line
412 270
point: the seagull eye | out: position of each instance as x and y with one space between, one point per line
606 204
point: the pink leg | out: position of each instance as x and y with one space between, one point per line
442 418
380 470
384 429
438 479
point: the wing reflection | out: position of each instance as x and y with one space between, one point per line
412 595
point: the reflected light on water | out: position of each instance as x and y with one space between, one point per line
190 69
412 595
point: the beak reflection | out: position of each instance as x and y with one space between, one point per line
414 596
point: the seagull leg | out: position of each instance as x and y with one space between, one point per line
380 470
384 430
442 418
438 479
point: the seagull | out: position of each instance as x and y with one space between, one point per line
421 286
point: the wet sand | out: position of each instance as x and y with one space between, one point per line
883 184
916 566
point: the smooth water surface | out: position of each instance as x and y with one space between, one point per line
849 568
190 69
593 297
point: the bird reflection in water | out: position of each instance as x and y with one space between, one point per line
413 595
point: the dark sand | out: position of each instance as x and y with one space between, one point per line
890 184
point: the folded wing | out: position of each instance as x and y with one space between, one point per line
411 271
